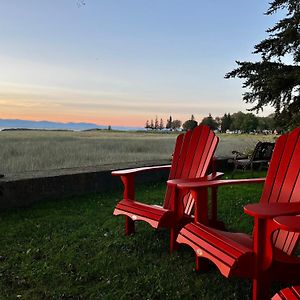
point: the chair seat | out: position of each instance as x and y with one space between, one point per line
291 293
154 215
232 252
225 249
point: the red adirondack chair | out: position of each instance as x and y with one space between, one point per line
292 293
191 158
288 223
267 255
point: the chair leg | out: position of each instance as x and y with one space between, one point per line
260 289
129 226
173 235
201 264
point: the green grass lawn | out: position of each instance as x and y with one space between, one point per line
76 249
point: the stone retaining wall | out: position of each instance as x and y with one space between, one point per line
24 189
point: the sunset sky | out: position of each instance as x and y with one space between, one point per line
121 62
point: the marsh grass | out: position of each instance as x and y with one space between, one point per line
75 249
43 150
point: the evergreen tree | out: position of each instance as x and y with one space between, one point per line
156 125
147 125
161 124
271 81
169 123
152 124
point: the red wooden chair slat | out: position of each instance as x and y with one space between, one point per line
197 155
211 143
283 239
192 154
273 169
292 293
177 150
268 254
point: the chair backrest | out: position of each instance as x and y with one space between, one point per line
283 182
191 158
263 151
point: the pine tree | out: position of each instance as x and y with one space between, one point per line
156 125
270 81
161 124
169 123
152 124
147 126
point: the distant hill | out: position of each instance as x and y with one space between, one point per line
47 125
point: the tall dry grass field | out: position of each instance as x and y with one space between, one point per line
43 150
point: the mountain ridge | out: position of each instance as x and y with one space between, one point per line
50 125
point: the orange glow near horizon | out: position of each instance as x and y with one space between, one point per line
131 121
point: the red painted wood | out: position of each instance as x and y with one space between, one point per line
266 255
292 293
139 170
272 210
289 223
191 158
202 184
183 153
176 154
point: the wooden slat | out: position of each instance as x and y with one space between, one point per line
140 209
285 164
207 156
225 256
207 152
189 204
273 168
292 176
296 191
176 155
196 139
285 184
183 154
221 241
292 293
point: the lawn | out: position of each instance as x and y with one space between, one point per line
43 150
75 249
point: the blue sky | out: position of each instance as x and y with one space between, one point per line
121 62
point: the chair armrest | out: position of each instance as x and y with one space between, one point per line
139 170
212 176
289 223
215 183
272 210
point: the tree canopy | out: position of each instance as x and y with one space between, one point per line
189 124
271 81
210 122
